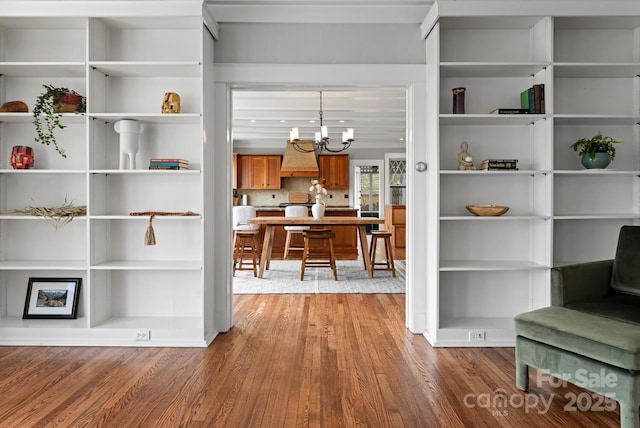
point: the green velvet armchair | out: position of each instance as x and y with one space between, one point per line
593 325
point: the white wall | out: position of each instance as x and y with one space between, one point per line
320 44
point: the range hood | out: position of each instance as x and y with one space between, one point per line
299 164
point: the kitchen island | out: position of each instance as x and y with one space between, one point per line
345 243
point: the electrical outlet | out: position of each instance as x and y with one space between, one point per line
330 195
476 336
346 196
142 335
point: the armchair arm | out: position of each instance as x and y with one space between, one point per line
580 281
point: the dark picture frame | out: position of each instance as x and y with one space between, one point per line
52 298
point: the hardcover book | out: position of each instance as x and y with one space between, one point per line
510 111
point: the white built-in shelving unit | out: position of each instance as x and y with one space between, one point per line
123 61
485 270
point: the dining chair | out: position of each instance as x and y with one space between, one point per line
294 211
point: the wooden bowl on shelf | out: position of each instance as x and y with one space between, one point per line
487 210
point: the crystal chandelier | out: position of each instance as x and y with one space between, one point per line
321 142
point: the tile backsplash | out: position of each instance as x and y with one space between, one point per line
265 198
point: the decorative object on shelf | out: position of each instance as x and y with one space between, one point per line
22 157
465 161
596 152
171 103
458 100
14 107
50 298
49 107
321 142
129 131
59 216
317 186
487 210
150 236
499 164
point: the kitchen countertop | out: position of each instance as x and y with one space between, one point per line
329 208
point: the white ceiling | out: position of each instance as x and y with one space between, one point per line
378 116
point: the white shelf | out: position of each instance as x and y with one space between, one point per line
490 69
36 265
147 68
66 118
593 172
475 323
595 119
621 216
148 265
487 265
490 173
490 119
159 118
594 69
146 171
48 324
504 217
146 217
164 323
44 171
43 69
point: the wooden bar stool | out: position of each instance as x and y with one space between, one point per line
245 239
388 263
316 235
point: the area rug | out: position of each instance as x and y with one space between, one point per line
283 277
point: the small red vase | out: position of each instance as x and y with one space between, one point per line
22 157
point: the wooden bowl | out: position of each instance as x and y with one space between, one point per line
487 210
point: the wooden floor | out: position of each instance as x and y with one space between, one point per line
290 361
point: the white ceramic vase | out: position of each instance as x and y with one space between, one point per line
317 210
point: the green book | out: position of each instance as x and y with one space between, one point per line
524 100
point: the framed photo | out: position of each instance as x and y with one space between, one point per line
52 298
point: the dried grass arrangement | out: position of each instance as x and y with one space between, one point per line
59 216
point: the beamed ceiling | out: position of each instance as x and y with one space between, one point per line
263 118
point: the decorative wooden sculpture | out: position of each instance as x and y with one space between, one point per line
171 103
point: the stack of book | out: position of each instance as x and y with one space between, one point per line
532 99
168 163
499 164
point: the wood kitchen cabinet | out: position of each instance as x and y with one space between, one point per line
234 171
335 170
395 222
258 171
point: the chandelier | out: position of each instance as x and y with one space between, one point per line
321 141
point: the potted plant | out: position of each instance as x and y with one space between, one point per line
597 151
48 110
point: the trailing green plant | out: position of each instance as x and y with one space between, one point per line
596 144
47 112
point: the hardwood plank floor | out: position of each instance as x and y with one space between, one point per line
290 361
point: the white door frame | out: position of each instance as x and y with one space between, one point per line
410 76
